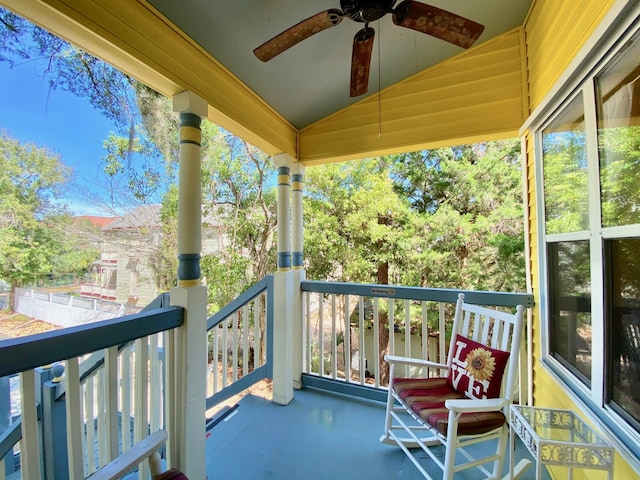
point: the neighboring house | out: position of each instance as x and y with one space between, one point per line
130 247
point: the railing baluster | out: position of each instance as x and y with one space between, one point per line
347 340
74 422
83 426
407 334
424 328
102 433
89 415
235 320
170 394
334 339
307 329
361 347
376 341
321 335
245 340
225 352
441 337
111 400
29 451
216 359
257 349
141 422
155 384
392 329
125 359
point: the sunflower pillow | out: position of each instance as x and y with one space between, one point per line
476 370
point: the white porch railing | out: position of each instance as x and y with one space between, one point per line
344 323
240 336
112 393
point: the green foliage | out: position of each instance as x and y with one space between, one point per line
447 218
620 170
31 225
350 210
565 182
239 200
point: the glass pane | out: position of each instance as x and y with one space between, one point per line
564 153
618 107
623 324
570 306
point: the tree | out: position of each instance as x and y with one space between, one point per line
357 229
470 198
30 221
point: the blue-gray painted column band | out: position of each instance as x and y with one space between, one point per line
284 260
190 120
189 266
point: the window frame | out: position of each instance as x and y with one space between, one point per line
612 40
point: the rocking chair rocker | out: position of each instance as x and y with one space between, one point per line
468 403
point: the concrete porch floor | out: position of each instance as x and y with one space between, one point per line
319 435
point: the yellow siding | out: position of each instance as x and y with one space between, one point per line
555 32
158 55
475 96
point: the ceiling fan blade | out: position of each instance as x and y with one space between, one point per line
361 61
439 23
301 31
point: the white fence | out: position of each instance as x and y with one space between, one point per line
66 310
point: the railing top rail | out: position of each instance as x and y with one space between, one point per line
497 299
17 354
239 301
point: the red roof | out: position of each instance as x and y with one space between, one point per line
97 221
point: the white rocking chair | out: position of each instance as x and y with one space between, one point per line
468 403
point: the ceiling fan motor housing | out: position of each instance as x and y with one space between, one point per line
366 11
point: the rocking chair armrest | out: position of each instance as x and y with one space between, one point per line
464 405
418 362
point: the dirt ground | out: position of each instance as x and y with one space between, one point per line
13 325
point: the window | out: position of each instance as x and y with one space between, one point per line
570 306
566 199
623 327
590 151
566 194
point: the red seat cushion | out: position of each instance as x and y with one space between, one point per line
426 398
171 474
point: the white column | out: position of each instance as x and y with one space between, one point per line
283 290
186 396
299 274
283 163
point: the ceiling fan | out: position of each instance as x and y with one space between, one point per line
416 16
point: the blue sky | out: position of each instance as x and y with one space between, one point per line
64 124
